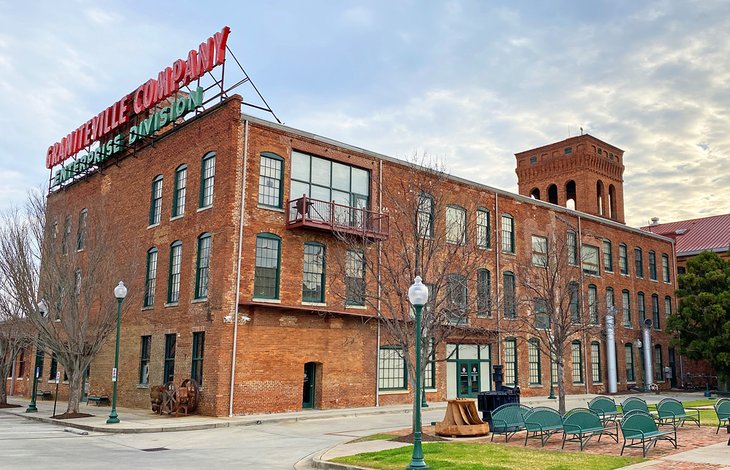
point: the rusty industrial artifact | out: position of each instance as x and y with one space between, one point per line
171 399
462 419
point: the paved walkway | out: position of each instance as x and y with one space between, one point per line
715 456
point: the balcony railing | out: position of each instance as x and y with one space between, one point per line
306 212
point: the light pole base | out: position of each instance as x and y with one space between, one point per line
113 419
417 464
31 408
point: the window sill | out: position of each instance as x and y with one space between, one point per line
653 280
141 386
392 392
268 301
199 300
171 304
271 208
535 386
149 307
357 307
509 253
177 217
153 225
315 304
201 209
606 271
52 382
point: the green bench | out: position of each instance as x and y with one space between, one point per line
636 404
672 412
582 424
44 394
542 422
722 408
98 400
641 429
604 407
508 419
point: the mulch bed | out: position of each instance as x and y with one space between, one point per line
9 405
72 416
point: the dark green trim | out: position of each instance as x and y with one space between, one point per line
269 236
580 362
597 364
405 369
536 343
487 227
513 341
203 236
157 179
206 157
511 233
144 359
174 244
322 277
623 258
196 359
175 209
281 177
419 211
147 302
168 369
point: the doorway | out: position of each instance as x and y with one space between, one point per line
468 379
310 370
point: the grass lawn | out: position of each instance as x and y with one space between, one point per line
485 456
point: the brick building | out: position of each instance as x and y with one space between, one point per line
235 289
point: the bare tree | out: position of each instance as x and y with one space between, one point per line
14 337
424 240
549 282
63 283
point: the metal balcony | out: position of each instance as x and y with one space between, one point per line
326 216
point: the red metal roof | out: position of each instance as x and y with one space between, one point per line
696 235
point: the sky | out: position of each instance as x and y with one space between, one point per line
470 83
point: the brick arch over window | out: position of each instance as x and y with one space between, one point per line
535 193
553 194
570 194
600 198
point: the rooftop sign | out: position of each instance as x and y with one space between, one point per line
181 73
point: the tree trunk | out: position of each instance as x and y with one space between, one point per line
561 388
3 390
74 391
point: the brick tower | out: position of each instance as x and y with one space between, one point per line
581 173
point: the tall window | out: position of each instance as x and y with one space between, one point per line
202 267
425 216
508 233
572 239
156 201
629 348
623 259
593 304
484 293
168 372
458 297
178 197
658 364
590 256
638 258
641 307
266 275
510 361
173 281
54 368
574 306
607 256
313 282
668 305
392 369
40 357
355 278
326 180
455 225
484 240
66 235
577 359
270 176
508 281
610 300
542 319
655 311
429 376
207 180
652 266
150 278
665 268
533 358
144 360
81 230
196 366
596 362
539 251
626 302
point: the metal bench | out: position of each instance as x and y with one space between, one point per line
722 408
508 419
542 422
98 399
45 394
641 429
636 404
604 407
582 424
672 412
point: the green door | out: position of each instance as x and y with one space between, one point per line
468 379
308 390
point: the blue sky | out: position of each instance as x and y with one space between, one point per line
468 82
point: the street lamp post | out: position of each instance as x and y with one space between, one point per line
120 292
32 408
418 296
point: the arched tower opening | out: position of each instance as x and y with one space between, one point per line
535 193
570 194
553 194
599 197
612 202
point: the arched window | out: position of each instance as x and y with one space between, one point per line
596 375
553 194
652 266
455 225
173 279
593 304
508 233
150 278
484 293
156 200
207 179
271 171
533 358
425 215
599 197
641 307
612 202
655 311
484 237
535 193
202 268
574 306
508 280
570 195
178 198
626 304
267 269
629 349
576 355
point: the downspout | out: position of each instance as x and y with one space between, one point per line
238 269
676 310
579 247
497 277
380 250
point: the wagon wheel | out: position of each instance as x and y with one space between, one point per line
169 398
193 393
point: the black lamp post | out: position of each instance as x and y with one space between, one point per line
120 292
418 296
32 408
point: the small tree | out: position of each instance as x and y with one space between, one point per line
702 324
421 243
73 277
549 284
14 337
